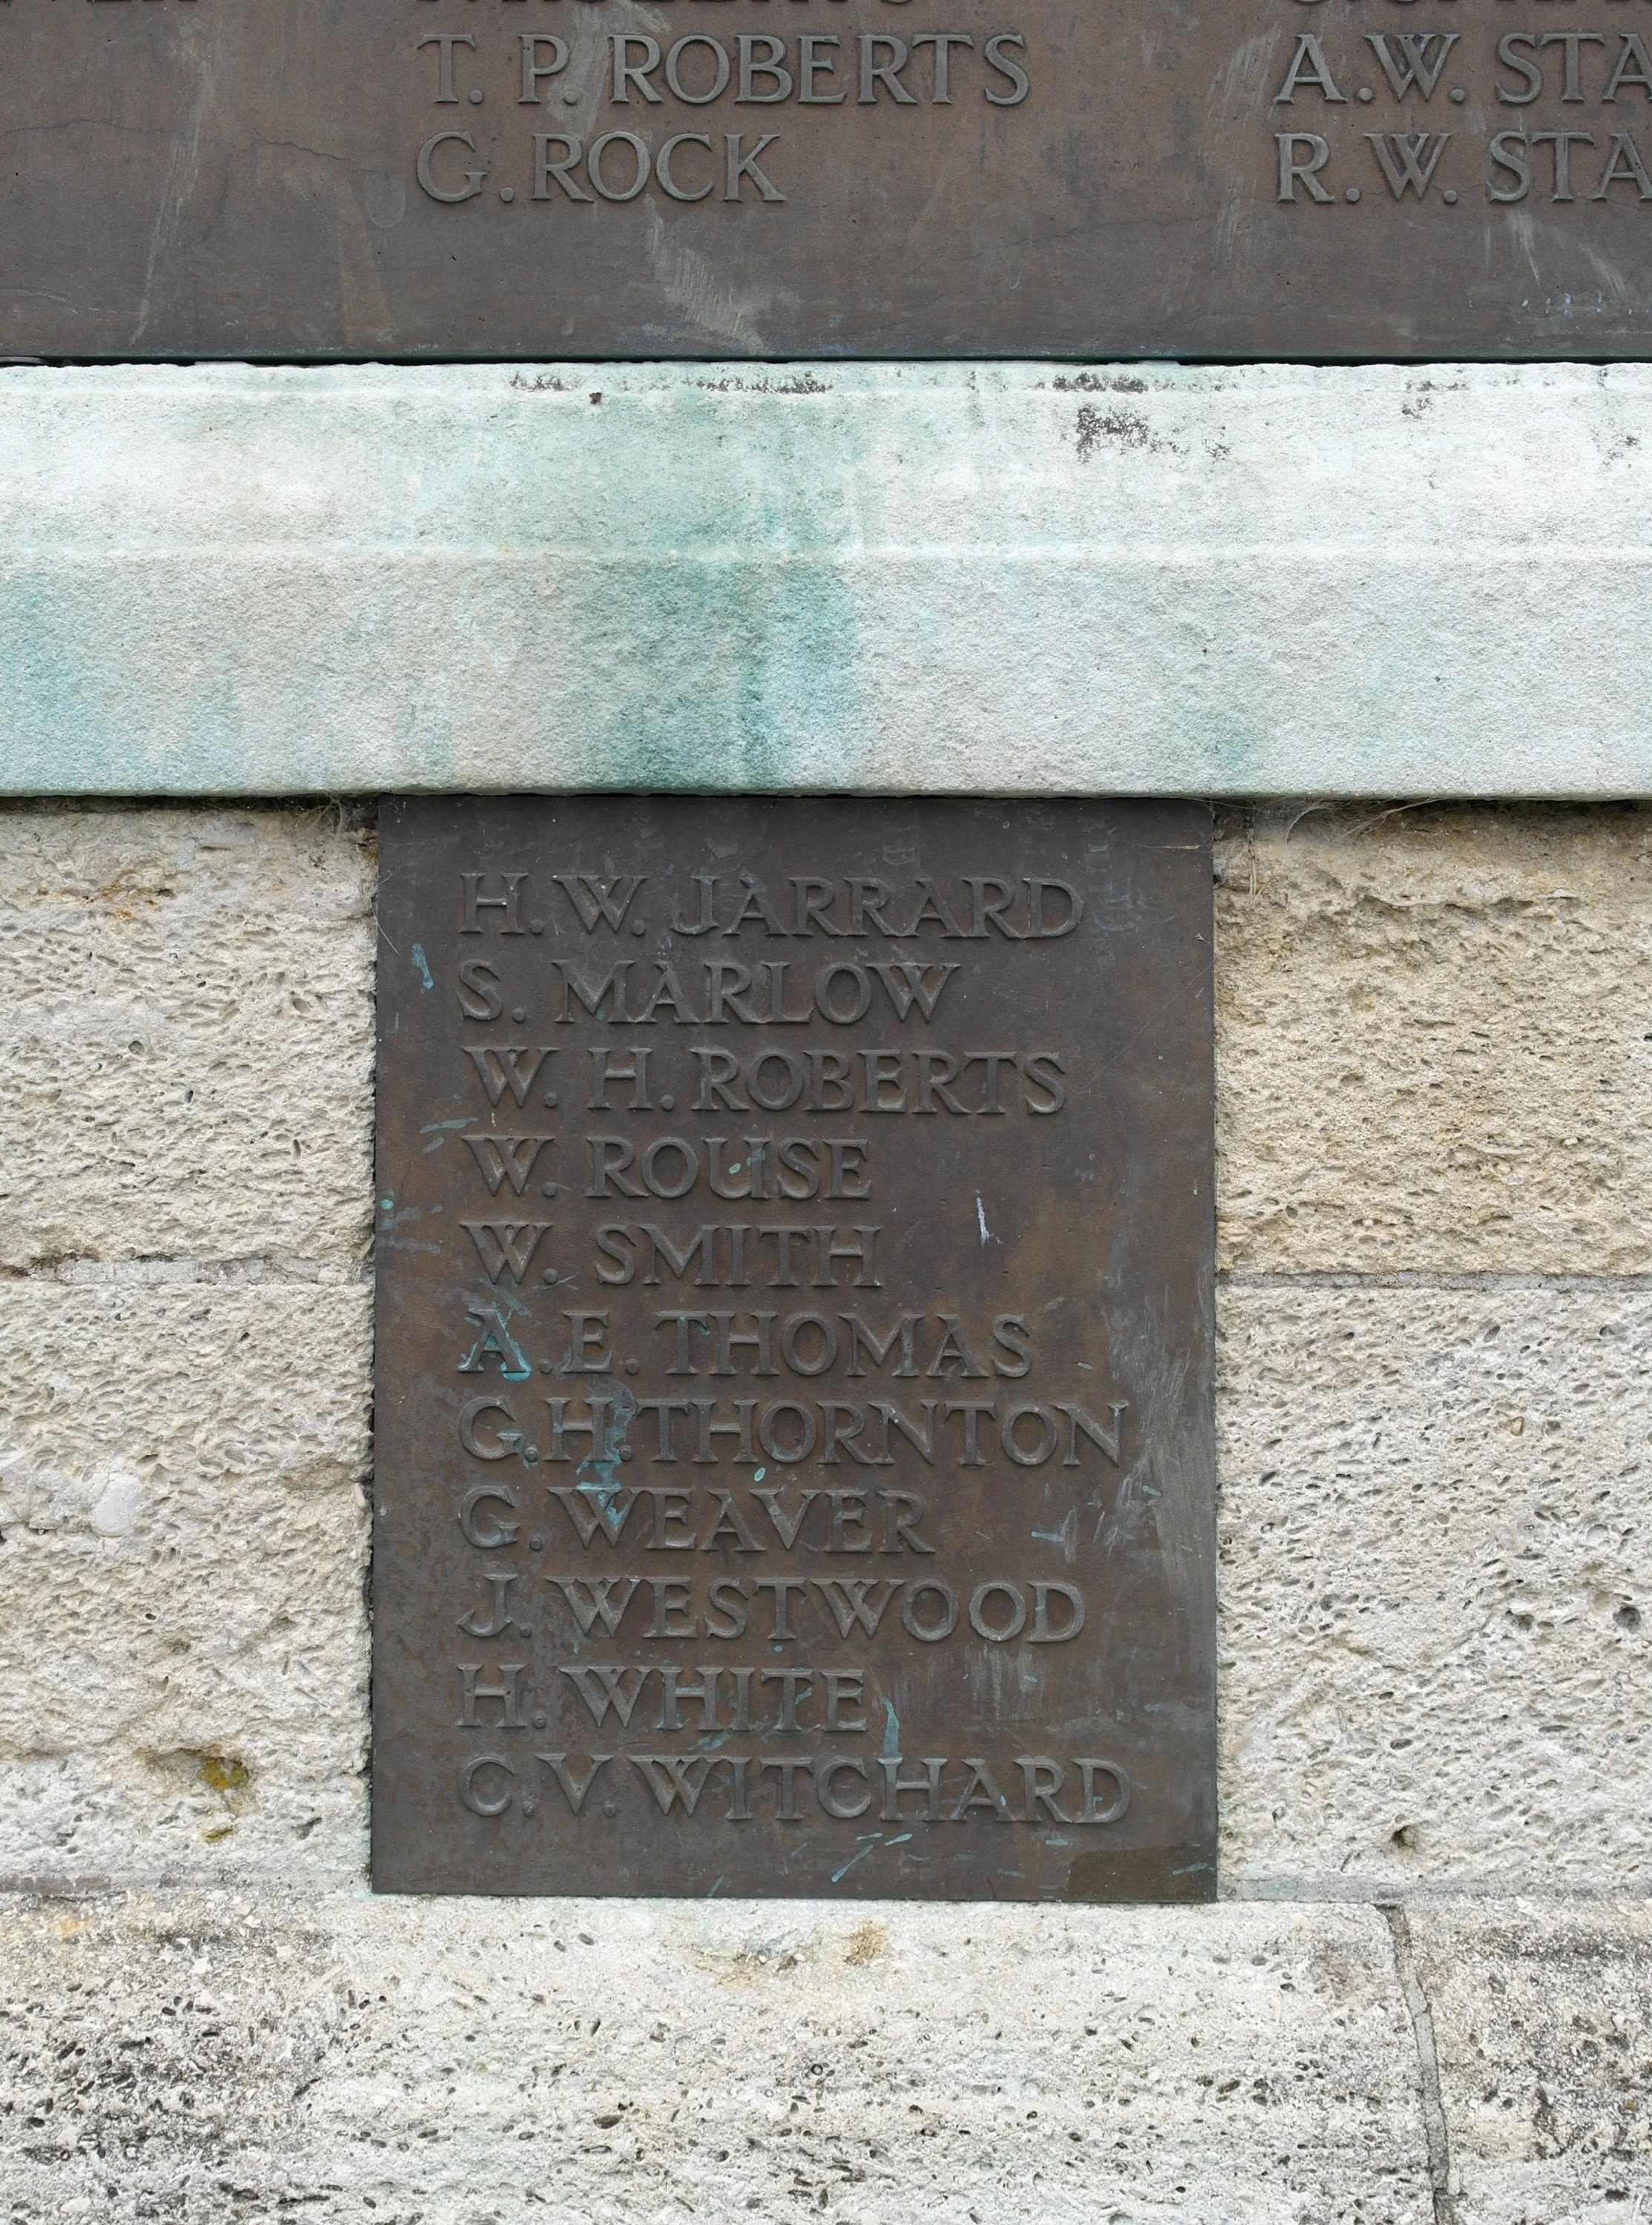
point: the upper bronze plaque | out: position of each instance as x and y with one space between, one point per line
795 1465
544 178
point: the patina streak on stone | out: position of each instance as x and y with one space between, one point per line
929 578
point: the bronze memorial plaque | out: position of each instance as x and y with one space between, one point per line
1329 179
794 1466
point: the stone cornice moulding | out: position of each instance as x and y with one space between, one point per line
968 578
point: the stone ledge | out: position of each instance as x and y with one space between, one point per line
1543 2022
969 578
189 2054
185 2055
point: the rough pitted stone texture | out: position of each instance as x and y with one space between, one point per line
1434 1040
206 2057
185 1035
182 1624
1035 578
1542 2023
1436 1588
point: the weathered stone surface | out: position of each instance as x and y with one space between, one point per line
206 2056
1246 580
1542 2024
1436 1588
185 1035
1433 1042
182 1626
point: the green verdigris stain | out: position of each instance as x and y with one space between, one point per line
738 626
227 581
56 691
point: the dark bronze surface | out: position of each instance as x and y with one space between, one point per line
1229 178
864 1522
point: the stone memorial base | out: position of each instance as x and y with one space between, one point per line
1426 1991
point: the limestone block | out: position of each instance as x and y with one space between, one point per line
185 1035
201 2057
183 1649
1542 2025
1436 1588
945 578
1434 1040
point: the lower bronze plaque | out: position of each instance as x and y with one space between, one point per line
796 1239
